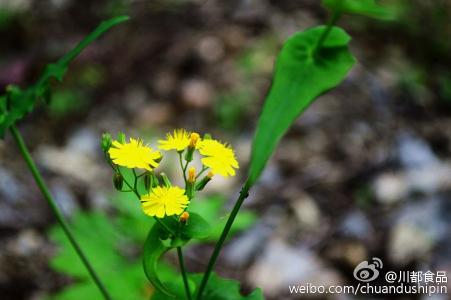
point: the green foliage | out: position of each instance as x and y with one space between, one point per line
159 242
6 17
302 74
212 210
106 246
101 240
196 228
217 289
154 248
368 8
65 102
230 108
225 289
17 102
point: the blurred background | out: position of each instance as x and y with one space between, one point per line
365 172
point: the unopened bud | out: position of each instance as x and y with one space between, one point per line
166 181
203 182
118 181
159 159
106 142
121 137
155 181
192 175
207 136
193 139
148 178
184 217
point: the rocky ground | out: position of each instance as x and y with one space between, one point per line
365 172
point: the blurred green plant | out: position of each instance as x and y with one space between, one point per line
111 247
65 102
16 103
233 107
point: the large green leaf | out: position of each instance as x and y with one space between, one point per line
217 289
301 75
159 242
212 210
224 289
196 228
368 8
17 103
154 248
100 239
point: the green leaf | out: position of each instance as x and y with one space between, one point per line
196 228
18 103
154 248
300 77
58 69
158 243
212 210
100 240
224 289
368 8
217 289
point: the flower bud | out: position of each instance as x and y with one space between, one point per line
121 137
148 178
203 182
190 183
166 181
193 139
184 217
106 142
118 181
159 159
155 182
192 175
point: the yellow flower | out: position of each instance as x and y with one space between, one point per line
219 157
179 140
193 139
164 201
134 155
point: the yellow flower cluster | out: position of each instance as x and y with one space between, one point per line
170 200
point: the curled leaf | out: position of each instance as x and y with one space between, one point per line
154 248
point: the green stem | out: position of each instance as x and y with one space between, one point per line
56 211
202 171
183 270
330 24
182 167
236 208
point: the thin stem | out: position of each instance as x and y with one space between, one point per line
135 183
183 270
236 208
181 166
56 211
330 24
202 171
